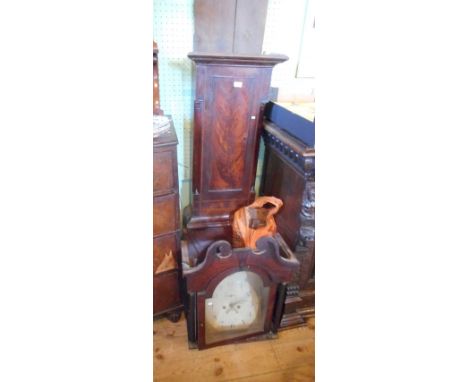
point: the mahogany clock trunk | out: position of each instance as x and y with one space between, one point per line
231 92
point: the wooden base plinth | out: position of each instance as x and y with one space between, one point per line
201 231
172 315
298 308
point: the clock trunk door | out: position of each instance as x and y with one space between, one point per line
229 136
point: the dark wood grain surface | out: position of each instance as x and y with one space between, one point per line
269 261
164 169
231 91
289 174
162 245
166 226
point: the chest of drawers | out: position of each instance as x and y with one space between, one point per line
166 231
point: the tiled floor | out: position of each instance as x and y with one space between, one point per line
289 358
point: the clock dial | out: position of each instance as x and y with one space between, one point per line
234 304
237 305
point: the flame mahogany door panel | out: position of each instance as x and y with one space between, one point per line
229 133
230 94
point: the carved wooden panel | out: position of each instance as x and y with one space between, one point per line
289 173
164 171
165 214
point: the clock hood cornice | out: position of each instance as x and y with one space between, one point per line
233 59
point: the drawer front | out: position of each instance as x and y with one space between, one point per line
165 172
165 292
165 214
165 252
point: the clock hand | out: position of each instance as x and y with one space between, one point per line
231 308
237 302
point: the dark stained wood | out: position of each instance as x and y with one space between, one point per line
279 306
198 240
231 92
191 314
289 174
283 180
268 60
166 294
229 26
165 213
165 162
269 261
166 222
162 245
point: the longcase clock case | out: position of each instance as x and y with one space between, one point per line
231 92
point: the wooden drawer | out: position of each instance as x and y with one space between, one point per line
165 292
163 246
165 171
165 214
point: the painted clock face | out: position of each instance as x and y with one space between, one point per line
237 305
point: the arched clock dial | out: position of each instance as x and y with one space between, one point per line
235 302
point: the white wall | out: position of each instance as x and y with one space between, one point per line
284 34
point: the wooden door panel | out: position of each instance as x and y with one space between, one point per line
225 154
